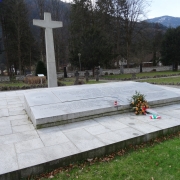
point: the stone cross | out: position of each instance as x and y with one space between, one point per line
48 24
87 75
76 74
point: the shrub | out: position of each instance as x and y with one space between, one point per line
61 84
81 82
106 73
34 80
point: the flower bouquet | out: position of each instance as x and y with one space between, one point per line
139 103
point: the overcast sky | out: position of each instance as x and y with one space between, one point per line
159 8
164 7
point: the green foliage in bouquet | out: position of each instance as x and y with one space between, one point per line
139 103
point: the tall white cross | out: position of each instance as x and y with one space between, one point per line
48 24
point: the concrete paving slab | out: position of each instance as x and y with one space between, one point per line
10 99
4 123
84 140
98 129
17 112
164 124
53 138
4 112
20 122
144 127
110 123
129 119
22 128
31 158
14 102
12 94
8 159
21 108
28 145
60 151
48 130
78 125
18 137
3 102
5 130
109 137
12 106
16 117
128 133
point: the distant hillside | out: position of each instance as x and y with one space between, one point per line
167 21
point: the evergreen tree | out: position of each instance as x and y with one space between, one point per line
170 49
41 68
18 38
87 36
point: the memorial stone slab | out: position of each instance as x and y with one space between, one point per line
63 105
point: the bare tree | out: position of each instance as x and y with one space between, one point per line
41 8
132 11
60 12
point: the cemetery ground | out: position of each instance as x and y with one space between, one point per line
162 77
143 75
167 80
154 160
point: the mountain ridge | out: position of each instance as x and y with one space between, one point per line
168 21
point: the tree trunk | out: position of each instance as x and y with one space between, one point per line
5 40
140 67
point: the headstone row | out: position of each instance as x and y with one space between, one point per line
4 78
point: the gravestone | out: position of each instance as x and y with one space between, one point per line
133 76
50 107
20 77
76 74
121 69
87 75
48 24
65 72
97 74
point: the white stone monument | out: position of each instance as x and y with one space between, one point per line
54 106
48 24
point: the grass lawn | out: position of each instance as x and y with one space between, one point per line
13 84
153 161
162 80
67 82
70 81
148 74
